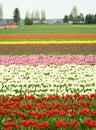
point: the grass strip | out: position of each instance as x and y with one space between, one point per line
51 39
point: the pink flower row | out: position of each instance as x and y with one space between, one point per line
35 60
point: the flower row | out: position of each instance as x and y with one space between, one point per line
69 112
47 36
35 60
45 80
50 42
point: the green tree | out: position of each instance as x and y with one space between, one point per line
89 19
28 21
16 15
66 19
80 18
94 19
70 17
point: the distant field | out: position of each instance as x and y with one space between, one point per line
83 39
50 30
47 29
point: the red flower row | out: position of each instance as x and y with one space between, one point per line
70 111
46 36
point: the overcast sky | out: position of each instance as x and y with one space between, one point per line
53 8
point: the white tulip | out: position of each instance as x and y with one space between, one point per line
48 79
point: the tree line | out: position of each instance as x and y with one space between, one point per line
74 17
35 16
29 18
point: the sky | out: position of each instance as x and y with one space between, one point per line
53 8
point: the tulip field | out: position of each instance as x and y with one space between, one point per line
48 77
48 39
39 79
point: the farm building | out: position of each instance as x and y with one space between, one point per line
10 24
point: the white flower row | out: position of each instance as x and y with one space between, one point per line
45 80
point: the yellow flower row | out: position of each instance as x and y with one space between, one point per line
49 42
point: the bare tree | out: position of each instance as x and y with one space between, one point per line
32 16
43 15
74 14
37 18
28 20
27 14
1 12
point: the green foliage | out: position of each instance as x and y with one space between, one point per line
16 16
75 19
80 18
28 21
94 19
90 19
66 19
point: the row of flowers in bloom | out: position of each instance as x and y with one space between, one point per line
47 36
35 60
45 80
69 112
50 42
24 76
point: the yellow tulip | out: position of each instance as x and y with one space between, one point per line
49 42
